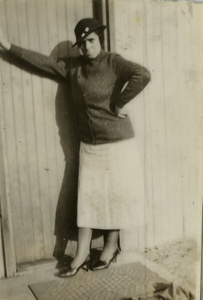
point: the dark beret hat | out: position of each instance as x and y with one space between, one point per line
86 26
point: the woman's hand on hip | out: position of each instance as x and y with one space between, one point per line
120 112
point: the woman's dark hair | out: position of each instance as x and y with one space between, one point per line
101 36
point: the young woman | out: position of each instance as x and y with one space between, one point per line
101 84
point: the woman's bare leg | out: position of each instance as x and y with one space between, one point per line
111 245
83 246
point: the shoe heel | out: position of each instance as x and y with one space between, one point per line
114 260
86 264
86 267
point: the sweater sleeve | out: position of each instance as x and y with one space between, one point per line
134 75
45 63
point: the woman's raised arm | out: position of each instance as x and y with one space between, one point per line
45 63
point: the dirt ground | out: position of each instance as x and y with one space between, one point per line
181 258
178 257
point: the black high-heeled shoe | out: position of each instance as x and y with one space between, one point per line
69 271
100 264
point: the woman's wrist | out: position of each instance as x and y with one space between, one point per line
5 45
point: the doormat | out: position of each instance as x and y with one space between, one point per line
118 283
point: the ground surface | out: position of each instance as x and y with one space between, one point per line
182 258
178 258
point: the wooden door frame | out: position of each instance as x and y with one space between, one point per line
110 22
104 12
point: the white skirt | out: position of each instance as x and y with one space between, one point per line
111 186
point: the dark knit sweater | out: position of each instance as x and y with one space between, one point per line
96 87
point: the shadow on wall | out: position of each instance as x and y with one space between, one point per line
66 211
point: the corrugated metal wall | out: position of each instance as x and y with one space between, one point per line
167 38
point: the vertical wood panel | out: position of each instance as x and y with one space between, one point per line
40 134
148 176
21 149
129 239
136 51
28 126
2 271
11 144
190 99
169 46
27 88
172 115
198 109
157 123
6 226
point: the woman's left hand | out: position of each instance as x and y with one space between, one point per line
120 112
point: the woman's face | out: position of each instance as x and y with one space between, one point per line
91 46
